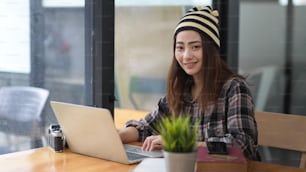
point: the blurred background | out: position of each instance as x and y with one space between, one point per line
42 44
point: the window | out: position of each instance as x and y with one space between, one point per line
271 45
42 44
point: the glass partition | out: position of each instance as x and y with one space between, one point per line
272 53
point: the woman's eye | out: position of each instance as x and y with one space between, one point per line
195 47
179 48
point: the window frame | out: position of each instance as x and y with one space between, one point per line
99 53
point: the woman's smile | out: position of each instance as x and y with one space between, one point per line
190 65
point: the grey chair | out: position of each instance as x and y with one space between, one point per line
20 113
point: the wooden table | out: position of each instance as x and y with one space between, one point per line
123 115
46 160
256 166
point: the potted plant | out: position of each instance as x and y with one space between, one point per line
179 137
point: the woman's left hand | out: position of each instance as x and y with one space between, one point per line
152 143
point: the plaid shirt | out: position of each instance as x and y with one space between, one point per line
232 115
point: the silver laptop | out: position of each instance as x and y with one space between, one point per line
91 131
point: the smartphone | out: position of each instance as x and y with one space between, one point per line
216 148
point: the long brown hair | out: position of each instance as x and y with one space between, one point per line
215 73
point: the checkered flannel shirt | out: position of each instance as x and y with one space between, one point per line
232 115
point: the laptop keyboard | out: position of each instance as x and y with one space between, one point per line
138 150
134 156
131 148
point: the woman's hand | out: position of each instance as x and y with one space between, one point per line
152 143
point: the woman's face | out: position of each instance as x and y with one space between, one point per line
188 51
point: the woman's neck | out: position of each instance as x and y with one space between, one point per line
196 89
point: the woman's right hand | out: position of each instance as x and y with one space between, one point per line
152 143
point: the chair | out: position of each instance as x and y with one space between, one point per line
284 131
20 112
144 87
267 86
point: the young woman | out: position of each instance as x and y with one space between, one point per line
200 84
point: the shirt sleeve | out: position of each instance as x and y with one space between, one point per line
146 126
241 122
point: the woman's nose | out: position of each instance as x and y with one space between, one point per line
187 54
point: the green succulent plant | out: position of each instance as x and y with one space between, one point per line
178 134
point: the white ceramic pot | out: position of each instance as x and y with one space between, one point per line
180 162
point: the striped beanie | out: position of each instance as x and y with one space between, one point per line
204 20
